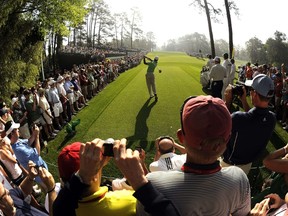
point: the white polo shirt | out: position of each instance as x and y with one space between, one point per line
169 161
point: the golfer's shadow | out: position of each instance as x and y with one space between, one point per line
141 128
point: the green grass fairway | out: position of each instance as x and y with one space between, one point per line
123 108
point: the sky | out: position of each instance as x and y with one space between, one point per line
169 19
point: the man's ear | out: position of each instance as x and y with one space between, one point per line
180 136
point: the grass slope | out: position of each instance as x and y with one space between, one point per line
123 108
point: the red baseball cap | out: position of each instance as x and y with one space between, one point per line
205 117
69 160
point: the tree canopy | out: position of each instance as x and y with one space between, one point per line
24 25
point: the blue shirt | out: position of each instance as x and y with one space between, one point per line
54 96
23 208
251 132
24 153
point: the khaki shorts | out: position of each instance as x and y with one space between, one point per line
57 108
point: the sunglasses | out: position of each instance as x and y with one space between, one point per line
181 111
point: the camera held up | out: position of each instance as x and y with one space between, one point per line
108 147
237 89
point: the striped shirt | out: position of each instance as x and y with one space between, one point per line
219 194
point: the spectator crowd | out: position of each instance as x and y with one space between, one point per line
204 174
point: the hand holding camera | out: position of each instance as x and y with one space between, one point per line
36 128
91 160
129 162
32 170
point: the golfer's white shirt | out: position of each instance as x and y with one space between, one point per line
169 161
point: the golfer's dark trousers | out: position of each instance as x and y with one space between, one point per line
217 88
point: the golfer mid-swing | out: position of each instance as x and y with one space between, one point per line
150 78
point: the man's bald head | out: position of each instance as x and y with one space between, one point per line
166 145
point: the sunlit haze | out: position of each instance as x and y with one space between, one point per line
169 19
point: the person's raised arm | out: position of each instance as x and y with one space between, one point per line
243 99
180 148
49 182
142 155
260 209
91 154
144 59
128 162
228 97
157 152
275 162
27 184
275 201
6 156
34 138
91 163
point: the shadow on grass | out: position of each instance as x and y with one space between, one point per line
67 138
141 128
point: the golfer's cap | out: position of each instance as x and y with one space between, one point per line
262 84
156 58
10 126
205 117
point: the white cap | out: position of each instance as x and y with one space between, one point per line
10 126
60 78
51 82
262 84
14 100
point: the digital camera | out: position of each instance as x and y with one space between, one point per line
237 90
108 147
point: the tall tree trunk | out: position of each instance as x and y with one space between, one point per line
229 29
121 34
91 22
116 34
74 37
132 30
210 29
94 29
54 52
99 31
